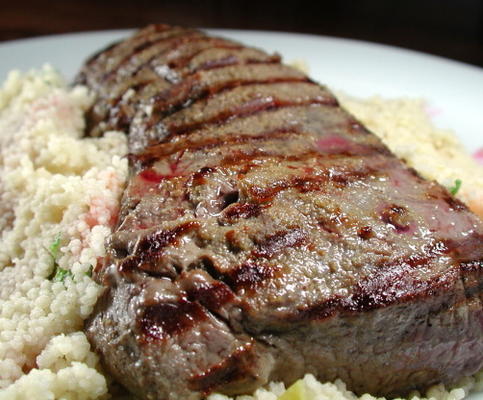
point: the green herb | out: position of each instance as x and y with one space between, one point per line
55 247
89 272
58 274
61 274
457 185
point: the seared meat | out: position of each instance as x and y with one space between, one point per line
265 233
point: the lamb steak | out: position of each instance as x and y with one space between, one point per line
265 233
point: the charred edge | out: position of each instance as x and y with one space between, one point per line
151 247
318 311
139 35
438 192
405 264
163 108
155 152
280 241
213 42
151 30
241 211
378 291
164 320
136 38
332 223
365 232
182 62
233 60
414 173
199 177
394 286
247 275
172 41
208 265
393 282
239 159
306 184
179 62
236 367
241 112
235 83
243 160
159 240
173 64
454 203
396 216
212 296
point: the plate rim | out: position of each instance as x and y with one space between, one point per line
214 30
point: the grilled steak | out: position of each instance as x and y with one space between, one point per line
265 233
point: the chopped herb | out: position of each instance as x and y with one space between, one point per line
61 274
58 274
55 247
89 272
457 185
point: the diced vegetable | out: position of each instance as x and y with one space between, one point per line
295 392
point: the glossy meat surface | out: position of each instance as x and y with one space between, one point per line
265 233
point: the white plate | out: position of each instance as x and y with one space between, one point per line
358 68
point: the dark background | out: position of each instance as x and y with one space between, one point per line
449 28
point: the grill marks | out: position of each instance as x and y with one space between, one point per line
173 51
243 101
164 320
256 202
157 152
274 244
255 106
241 211
236 58
177 52
143 51
204 85
190 76
212 296
247 275
246 83
310 183
150 248
393 282
256 270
